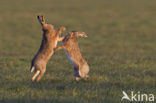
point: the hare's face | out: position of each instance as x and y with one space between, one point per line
82 34
77 34
48 27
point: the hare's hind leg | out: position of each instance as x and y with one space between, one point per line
35 75
76 74
40 74
77 78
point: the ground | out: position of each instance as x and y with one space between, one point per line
120 50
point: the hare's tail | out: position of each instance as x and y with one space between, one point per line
84 71
32 69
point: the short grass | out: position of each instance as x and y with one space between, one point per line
120 50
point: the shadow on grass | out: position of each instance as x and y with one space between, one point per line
60 84
56 84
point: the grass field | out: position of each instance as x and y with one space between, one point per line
120 50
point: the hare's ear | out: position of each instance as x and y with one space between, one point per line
82 34
41 19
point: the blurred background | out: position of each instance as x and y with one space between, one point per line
120 50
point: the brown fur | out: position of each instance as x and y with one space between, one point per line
70 44
49 42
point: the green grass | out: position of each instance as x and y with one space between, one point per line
120 50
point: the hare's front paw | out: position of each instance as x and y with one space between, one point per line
63 28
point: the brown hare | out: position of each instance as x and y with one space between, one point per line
49 42
70 44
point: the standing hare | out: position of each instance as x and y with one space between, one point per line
70 44
49 42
